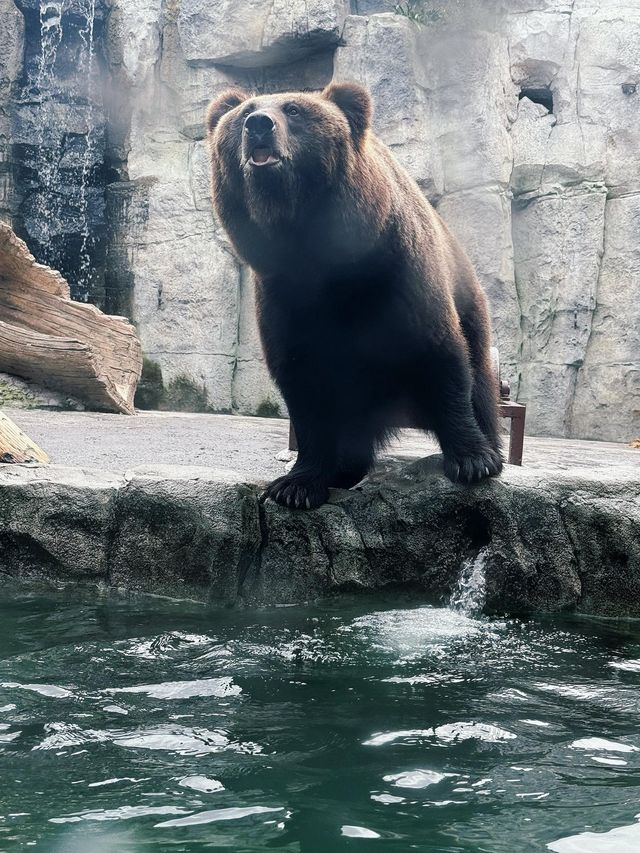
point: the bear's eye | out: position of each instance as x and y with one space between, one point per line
292 110
247 112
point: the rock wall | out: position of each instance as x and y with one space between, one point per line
520 120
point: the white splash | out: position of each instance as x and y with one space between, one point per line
469 595
120 813
50 690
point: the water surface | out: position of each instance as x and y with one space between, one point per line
133 723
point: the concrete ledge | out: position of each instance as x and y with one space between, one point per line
554 539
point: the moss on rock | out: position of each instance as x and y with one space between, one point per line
183 394
268 409
150 392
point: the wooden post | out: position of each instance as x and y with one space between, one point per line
17 447
517 413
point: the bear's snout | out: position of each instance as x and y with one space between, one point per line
259 132
259 126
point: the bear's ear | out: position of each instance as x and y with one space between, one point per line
355 103
221 105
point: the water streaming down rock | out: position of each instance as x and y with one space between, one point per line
89 152
469 595
46 207
58 141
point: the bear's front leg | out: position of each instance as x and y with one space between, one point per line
306 486
301 488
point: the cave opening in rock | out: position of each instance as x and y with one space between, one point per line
477 528
539 95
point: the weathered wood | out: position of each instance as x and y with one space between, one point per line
15 446
47 337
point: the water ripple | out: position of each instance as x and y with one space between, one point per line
219 687
220 814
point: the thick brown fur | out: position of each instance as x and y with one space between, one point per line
367 305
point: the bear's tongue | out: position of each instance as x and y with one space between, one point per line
261 155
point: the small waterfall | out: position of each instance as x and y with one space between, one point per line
47 203
66 140
84 274
469 595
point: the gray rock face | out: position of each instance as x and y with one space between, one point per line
258 33
11 48
550 541
56 526
380 52
557 250
22 394
519 120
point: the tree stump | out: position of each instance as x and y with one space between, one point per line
47 337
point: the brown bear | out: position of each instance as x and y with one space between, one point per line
367 305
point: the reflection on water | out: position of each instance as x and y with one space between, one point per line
129 723
622 839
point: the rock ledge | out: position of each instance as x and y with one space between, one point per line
553 540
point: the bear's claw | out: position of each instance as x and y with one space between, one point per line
297 491
473 467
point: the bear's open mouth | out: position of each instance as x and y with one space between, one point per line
263 156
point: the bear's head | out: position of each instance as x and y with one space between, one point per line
283 149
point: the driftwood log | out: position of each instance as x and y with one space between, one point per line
15 446
47 337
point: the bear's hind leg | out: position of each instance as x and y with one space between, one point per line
484 396
484 390
444 405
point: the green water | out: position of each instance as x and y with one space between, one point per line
129 724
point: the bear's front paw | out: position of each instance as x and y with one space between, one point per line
472 467
297 491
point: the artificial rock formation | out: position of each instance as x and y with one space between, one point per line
519 120
65 345
550 540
